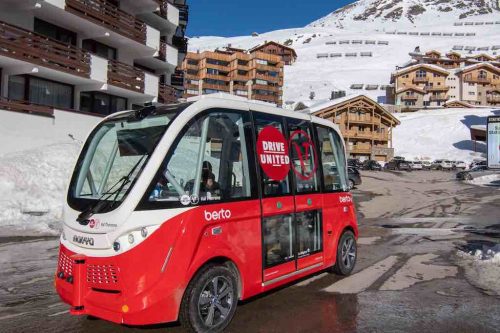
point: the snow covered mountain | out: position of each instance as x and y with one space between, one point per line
357 45
405 13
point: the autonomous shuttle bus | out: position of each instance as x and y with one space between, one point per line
178 212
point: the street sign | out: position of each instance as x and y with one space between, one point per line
493 141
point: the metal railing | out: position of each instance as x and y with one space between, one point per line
28 46
109 16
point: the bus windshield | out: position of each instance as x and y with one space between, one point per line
114 156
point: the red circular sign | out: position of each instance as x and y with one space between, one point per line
272 152
305 153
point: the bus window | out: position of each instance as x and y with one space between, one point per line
332 160
274 182
209 163
303 155
309 233
277 237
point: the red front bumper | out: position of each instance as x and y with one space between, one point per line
116 289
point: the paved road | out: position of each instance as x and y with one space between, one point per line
408 277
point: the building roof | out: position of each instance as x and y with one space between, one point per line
258 47
414 88
417 66
340 102
480 65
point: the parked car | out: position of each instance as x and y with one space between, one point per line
459 165
371 165
415 165
354 162
426 165
398 158
398 165
354 177
472 173
476 163
442 165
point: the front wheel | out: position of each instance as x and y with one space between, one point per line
347 252
210 301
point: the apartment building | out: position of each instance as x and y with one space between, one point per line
433 80
288 54
95 56
365 125
255 75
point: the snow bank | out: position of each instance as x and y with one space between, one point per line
32 188
486 180
482 268
444 133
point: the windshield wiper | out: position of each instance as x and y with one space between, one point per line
103 202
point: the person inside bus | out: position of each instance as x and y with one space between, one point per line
208 183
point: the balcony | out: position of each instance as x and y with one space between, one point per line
27 46
265 87
360 120
420 79
183 13
493 99
436 98
168 94
266 98
240 87
217 77
477 79
177 79
216 87
181 43
107 15
125 76
409 97
356 149
436 88
26 107
269 78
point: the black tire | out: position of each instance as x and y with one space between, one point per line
220 305
468 177
344 264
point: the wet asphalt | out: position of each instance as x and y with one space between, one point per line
408 277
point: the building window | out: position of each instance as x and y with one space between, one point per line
210 91
241 92
97 102
193 82
483 74
261 61
192 72
421 73
99 49
40 91
212 71
192 92
262 82
472 93
55 32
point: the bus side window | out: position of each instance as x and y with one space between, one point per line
332 160
209 163
303 155
271 187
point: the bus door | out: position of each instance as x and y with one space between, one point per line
278 206
308 200
334 174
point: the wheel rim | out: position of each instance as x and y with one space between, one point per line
215 301
348 253
351 184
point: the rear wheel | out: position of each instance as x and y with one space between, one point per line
210 300
347 253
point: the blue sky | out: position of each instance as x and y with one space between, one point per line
242 17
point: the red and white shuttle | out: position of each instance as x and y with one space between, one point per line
178 212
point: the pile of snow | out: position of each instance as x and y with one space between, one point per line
439 134
482 267
32 188
489 180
